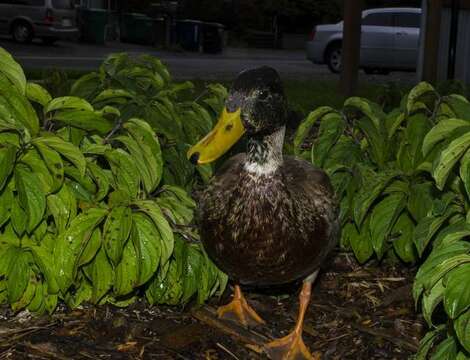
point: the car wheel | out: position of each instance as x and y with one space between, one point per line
22 32
369 71
334 58
49 40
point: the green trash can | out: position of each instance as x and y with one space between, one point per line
137 29
93 24
189 34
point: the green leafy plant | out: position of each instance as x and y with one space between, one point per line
85 214
142 88
403 194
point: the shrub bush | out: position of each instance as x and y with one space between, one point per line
404 184
90 203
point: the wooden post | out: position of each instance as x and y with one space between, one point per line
454 28
431 40
351 46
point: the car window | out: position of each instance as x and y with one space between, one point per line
378 19
62 4
412 20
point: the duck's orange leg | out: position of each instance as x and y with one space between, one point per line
239 310
292 347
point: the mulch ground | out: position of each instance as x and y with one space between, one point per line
356 312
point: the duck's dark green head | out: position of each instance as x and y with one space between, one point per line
256 105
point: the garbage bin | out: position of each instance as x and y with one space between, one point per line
137 29
160 31
213 37
93 24
189 34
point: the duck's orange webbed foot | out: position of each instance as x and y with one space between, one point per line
238 310
290 347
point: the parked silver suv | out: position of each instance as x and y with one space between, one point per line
389 41
49 20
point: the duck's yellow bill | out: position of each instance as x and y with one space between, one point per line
228 130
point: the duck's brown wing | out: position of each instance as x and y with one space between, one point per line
314 195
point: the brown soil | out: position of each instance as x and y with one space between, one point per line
356 313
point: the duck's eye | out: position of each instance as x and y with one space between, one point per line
262 95
228 127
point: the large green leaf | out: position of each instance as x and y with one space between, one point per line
417 128
403 243
91 248
18 275
331 128
117 229
68 102
432 298
71 243
427 342
102 276
427 228
371 189
462 328
441 131
166 233
452 233
87 87
127 272
42 257
7 162
31 197
419 91
36 164
147 243
53 163
63 207
6 200
84 119
108 96
446 350
370 109
18 217
139 158
420 199
443 268
125 171
149 145
459 105
448 157
66 149
306 125
20 109
436 258
457 291
360 242
101 180
12 71
465 171
37 93
383 217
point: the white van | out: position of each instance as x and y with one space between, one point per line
49 20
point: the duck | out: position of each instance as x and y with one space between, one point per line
265 219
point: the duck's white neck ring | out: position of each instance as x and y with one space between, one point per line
264 155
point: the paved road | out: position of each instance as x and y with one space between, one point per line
291 64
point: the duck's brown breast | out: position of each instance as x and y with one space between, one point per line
262 231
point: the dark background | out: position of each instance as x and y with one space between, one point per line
293 16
